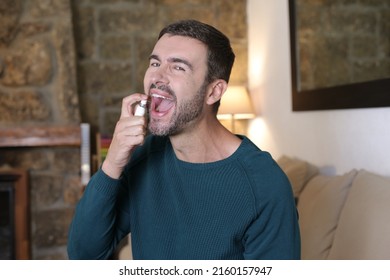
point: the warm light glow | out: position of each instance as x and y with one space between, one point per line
256 67
257 131
236 104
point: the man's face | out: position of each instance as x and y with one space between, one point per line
175 82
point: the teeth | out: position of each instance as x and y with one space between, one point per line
160 96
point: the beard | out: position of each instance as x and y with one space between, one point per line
183 116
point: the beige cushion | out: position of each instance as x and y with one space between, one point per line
319 208
299 172
364 228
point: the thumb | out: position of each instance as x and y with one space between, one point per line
128 102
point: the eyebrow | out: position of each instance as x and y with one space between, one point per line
174 60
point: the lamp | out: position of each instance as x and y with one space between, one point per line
235 105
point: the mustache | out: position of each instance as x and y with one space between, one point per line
164 88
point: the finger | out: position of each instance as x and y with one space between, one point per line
127 129
129 101
125 135
127 124
119 153
138 130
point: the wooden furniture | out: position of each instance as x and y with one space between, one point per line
40 136
17 178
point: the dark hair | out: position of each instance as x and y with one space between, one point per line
220 53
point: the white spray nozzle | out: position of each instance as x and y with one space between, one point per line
141 108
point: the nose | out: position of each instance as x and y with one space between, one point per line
159 75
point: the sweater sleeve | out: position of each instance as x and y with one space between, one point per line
274 234
99 222
274 230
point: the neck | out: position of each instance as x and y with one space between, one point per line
208 141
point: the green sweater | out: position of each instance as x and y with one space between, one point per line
241 207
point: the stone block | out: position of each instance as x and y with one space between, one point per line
143 46
115 47
73 189
105 77
125 21
113 101
239 73
23 106
10 11
84 31
109 120
26 158
237 27
30 29
46 190
112 2
167 15
90 108
50 227
66 160
65 87
41 9
175 3
30 65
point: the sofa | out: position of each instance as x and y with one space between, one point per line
341 217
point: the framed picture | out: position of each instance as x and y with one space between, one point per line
340 54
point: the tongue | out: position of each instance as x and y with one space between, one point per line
164 105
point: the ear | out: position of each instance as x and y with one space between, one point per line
216 91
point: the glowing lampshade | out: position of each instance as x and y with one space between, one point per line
236 104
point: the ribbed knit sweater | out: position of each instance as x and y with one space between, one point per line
240 207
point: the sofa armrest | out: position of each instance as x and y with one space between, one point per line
364 226
319 208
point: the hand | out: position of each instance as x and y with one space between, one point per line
129 133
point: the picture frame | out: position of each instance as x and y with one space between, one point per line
366 94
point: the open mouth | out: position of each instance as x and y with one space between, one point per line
161 104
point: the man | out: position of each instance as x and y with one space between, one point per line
192 189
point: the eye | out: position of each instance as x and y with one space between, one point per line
179 68
154 64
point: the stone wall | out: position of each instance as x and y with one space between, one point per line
114 39
38 89
37 63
